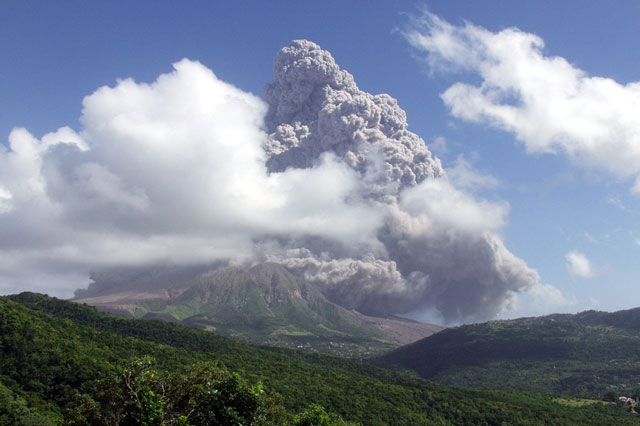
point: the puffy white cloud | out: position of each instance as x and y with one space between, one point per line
440 204
545 101
578 265
172 170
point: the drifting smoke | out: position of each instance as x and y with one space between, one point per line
189 170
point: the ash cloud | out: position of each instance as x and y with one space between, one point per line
315 107
437 247
190 171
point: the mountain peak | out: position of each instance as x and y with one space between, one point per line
267 304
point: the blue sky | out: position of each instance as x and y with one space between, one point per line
564 209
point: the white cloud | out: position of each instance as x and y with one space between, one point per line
441 205
545 101
463 175
5 200
591 238
172 170
635 189
439 145
578 265
616 201
541 299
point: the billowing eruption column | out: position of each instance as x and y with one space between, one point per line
421 259
315 107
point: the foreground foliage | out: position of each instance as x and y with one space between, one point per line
204 395
58 357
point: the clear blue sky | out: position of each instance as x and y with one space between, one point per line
53 54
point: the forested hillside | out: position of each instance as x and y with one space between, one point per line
57 356
264 304
586 354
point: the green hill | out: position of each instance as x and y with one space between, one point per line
265 304
586 354
56 353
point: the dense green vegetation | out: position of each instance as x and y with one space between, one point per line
250 309
58 356
264 304
587 354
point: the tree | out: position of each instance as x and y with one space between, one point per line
205 395
315 415
610 396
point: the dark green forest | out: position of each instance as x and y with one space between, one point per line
587 355
65 363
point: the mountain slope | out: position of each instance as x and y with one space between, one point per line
584 354
54 350
265 304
